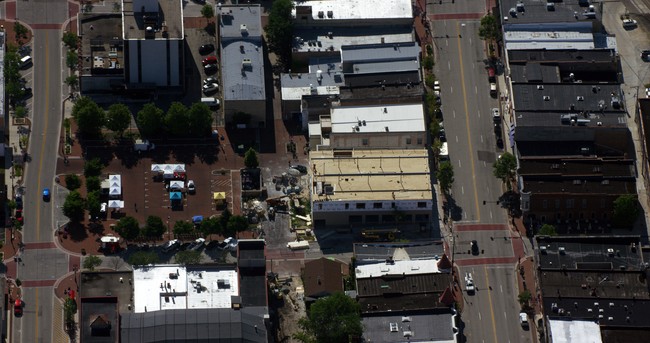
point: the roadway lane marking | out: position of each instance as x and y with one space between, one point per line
479 316
449 65
476 91
479 112
501 286
494 325
469 138
453 112
462 189
482 142
491 215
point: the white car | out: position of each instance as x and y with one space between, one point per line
469 283
210 88
523 319
210 80
495 113
190 187
629 23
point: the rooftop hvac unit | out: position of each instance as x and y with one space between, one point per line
246 63
330 14
561 250
244 29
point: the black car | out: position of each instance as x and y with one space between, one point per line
474 245
442 136
206 49
499 143
210 69
300 168
19 202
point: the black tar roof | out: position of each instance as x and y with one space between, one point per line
614 284
425 301
562 56
408 284
625 335
608 312
196 325
550 119
644 107
366 253
578 186
572 168
566 97
424 327
536 12
589 253
252 272
107 284
570 141
91 308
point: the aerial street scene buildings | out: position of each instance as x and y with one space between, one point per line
325 171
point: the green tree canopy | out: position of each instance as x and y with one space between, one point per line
445 176
183 227
625 210
143 258
279 30
70 40
118 118
72 182
21 31
547 230
91 262
89 116
72 81
224 218
71 59
505 168
150 120
177 120
489 29
154 228
200 117
207 12
93 167
93 204
236 224
187 257
210 226
335 318
73 207
250 159
93 184
128 227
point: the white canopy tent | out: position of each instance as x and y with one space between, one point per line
116 204
176 184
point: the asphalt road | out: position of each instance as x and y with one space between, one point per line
491 314
41 266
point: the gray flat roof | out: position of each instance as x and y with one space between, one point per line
423 327
107 283
243 73
201 325
536 12
320 39
613 284
590 253
102 44
240 22
535 72
630 313
100 310
405 51
610 119
365 253
560 97
164 17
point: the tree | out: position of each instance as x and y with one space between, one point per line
20 112
183 227
332 319
93 167
154 227
207 12
92 261
210 226
489 29
250 159
118 118
71 59
547 230
72 81
70 40
200 118
236 224
279 30
72 182
177 119
625 210
150 120
69 310
89 116
143 258
224 218
128 227
524 297
20 31
73 207
445 176
93 183
188 257
93 204
505 168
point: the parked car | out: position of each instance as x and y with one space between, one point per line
171 245
496 116
523 320
19 202
197 244
191 188
645 55
469 283
474 247
206 49
210 69
629 24
209 60
19 216
499 143
300 168
46 194
210 88
18 308
442 136
210 80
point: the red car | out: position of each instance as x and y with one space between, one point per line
209 60
18 308
19 215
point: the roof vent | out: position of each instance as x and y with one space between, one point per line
580 98
408 333
542 249
540 87
330 14
406 319
321 14
244 29
562 250
546 98
246 63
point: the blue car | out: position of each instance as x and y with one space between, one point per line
46 194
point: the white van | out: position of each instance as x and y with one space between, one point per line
25 61
212 102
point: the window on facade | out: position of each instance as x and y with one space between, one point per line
557 203
408 141
361 205
377 205
320 206
392 205
364 141
347 206
422 204
544 204
419 140
570 203
584 203
602 203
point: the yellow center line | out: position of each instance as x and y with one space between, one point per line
469 136
494 326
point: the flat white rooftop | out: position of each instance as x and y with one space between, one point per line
575 331
522 40
375 119
359 9
413 267
167 287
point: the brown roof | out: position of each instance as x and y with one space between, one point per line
447 297
444 262
323 276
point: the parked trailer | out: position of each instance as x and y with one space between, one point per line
298 245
